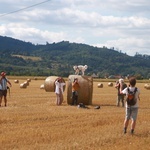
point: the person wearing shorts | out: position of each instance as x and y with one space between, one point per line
3 88
131 111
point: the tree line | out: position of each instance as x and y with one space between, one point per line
59 59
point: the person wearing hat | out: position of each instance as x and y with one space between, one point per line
120 97
3 88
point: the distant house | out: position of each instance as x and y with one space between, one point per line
114 77
94 75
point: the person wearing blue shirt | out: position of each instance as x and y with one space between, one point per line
3 88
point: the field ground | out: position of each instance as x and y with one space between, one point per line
32 121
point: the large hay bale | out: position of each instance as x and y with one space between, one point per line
100 85
49 83
22 85
85 92
16 81
110 84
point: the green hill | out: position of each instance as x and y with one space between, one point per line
24 58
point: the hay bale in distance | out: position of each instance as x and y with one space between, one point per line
85 92
28 80
110 84
22 85
42 86
16 81
49 84
26 83
147 86
35 78
100 85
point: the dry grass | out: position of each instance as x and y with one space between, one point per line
32 121
33 58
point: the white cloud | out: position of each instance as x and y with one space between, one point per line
112 23
20 31
128 45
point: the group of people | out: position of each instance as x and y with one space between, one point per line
59 88
123 90
3 88
131 110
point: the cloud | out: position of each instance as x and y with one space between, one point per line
29 34
128 45
112 23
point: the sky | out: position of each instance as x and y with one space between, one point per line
120 24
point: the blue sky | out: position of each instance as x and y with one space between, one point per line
124 25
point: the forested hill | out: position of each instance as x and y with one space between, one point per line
24 58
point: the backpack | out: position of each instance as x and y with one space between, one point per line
131 100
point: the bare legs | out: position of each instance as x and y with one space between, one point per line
5 101
126 123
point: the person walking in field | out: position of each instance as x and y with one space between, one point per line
59 84
3 88
75 88
132 99
120 85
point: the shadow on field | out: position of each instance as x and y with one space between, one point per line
144 134
104 105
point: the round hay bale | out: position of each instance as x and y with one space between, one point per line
42 86
22 85
100 85
85 92
35 78
16 81
147 86
28 80
27 83
110 84
49 84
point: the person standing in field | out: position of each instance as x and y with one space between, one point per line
3 88
131 104
59 85
75 88
120 85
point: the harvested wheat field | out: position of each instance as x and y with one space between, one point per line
32 121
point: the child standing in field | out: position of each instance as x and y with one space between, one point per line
131 110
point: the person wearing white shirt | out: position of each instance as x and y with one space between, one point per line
59 89
131 110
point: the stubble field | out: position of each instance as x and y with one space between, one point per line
32 121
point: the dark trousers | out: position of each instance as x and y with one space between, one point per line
74 98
